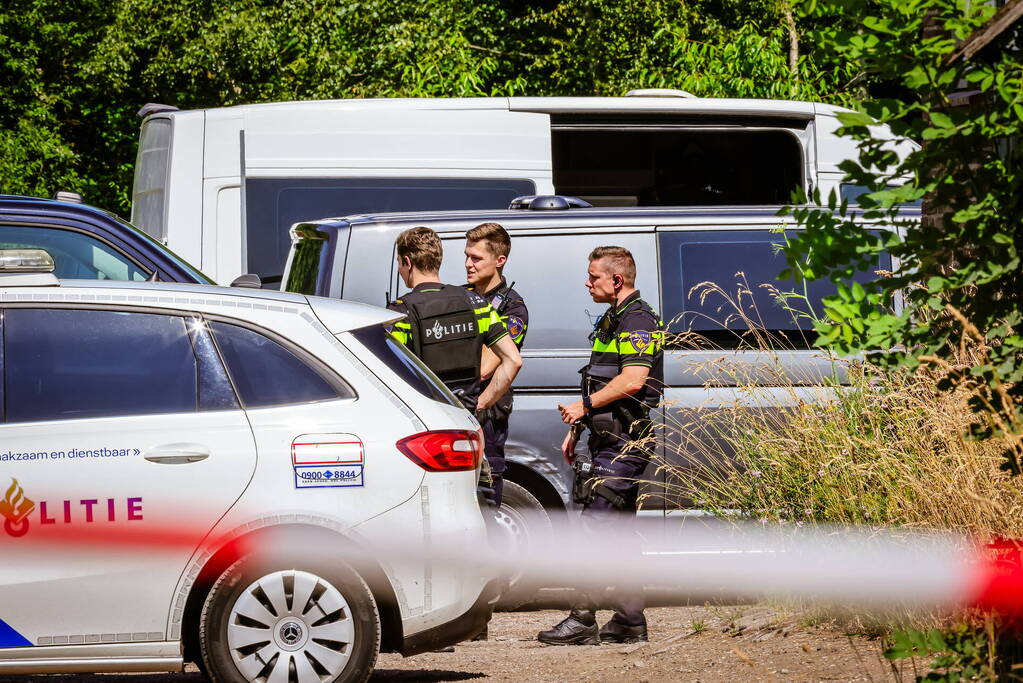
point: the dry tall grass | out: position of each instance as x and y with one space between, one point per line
853 445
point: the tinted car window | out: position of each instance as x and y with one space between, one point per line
403 363
265 373
68 364
722 283
549 271
273 205
215 390
852 193
130 233
75 254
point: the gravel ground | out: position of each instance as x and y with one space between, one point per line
686 644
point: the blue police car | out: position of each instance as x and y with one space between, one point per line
88 243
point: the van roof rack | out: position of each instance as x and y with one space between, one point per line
26 268
547 202
658 92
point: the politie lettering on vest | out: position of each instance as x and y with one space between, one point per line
439 331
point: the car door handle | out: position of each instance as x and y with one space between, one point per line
177 453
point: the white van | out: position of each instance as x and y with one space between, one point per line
223 186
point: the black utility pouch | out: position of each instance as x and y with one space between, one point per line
605 427
582 484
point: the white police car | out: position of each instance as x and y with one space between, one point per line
191 473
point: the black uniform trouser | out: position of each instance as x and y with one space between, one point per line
495 434
620 474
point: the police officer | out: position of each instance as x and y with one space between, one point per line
622 382
448 326
487 247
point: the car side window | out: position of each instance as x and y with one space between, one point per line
65 364
721 284
76 255
266 373
549 271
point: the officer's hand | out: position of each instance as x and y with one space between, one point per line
572 412
568 446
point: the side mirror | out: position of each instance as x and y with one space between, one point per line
248 281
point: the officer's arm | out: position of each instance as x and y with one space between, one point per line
631 379
505 373
489 364
516 322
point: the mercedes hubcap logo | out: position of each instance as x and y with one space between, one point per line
291 633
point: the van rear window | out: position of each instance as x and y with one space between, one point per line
676 167
151 164
273 205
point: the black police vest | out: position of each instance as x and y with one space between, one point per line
445 335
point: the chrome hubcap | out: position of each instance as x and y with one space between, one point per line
513 524
290 626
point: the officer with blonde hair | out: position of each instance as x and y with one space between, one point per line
487 247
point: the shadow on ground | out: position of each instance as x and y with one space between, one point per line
430 676
379 676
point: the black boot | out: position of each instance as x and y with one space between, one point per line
580 628
613 632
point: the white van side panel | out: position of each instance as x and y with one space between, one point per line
184 182
221 197
833 149
517 144
222 228
223 144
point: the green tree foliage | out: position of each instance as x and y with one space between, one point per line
959 271
750 64
76 72
44 136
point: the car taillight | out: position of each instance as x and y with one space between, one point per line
448 450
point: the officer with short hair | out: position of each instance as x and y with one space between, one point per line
621 384
487 247
448 326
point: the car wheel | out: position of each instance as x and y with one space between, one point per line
523 522
280 621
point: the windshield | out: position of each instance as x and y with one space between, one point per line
198 276
403 363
